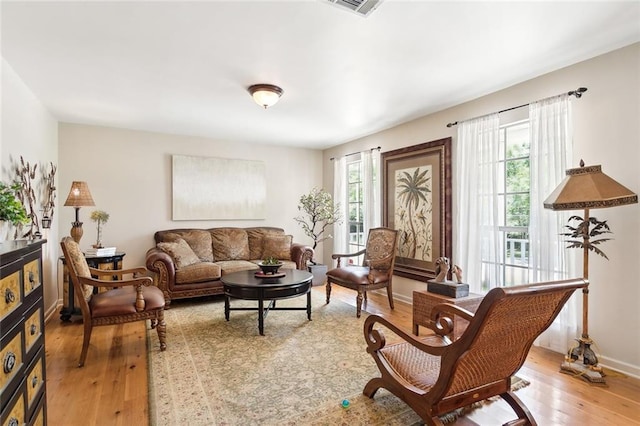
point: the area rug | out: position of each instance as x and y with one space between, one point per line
217 372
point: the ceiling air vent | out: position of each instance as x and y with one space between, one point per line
359 7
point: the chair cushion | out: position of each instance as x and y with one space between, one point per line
79 264
180 252
356 275
122 301
277 246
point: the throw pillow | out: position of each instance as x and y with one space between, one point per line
230 244
180 252
278 246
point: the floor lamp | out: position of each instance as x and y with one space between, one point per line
587 188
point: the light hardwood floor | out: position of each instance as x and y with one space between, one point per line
111 389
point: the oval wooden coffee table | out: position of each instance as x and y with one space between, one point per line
245 285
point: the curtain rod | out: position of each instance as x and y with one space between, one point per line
354 153
577 93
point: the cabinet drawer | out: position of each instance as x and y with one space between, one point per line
35 382
38 418
15 414
12 358
33 328
11 294
31 276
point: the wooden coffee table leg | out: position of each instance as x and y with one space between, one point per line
261 316
309 305
226 307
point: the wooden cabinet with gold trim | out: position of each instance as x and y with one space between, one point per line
23 371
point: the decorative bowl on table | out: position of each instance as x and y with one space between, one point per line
270 267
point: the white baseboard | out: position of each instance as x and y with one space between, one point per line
619 366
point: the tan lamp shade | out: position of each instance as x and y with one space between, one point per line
588 188
79 195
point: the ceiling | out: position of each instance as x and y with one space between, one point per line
184 67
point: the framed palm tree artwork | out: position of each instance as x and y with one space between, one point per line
416 200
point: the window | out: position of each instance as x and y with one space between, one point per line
355 228
514 201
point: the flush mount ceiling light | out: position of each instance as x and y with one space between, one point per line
265 95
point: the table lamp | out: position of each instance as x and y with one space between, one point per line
79 196
587 188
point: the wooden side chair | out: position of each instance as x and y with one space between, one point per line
376 270
126 300
435 375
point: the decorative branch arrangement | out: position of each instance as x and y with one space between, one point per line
320 212
50 192
100 217
27 196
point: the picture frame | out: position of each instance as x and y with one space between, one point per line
416 201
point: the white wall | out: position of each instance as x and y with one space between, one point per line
129 176
606 132
29 130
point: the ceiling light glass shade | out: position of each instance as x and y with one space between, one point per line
265 95
588 188
79 195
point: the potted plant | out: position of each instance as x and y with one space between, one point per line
319 212
100 217
11 209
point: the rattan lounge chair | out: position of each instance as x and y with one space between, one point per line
435 375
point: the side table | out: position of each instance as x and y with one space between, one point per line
105 263
423 303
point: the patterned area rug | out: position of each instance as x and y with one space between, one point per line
216 372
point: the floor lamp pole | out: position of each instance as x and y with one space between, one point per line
588 368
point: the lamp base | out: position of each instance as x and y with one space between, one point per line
589 373
583 362
76 231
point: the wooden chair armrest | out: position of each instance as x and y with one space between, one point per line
442 316
340 256
375 338
140 281
119 272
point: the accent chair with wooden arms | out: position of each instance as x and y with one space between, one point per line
376 270
435 375
125 300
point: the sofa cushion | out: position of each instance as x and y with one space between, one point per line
255 242
198 272
180 252
229 266
198 239
230 244
278 246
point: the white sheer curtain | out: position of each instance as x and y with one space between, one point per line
370 189
340 196
477 241
550 132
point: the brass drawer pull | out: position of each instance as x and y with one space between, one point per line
9 296
33 329
32 280
13 422
34 381
9 362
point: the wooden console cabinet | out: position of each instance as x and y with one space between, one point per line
424 301
22 375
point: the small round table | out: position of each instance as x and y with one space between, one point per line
245 285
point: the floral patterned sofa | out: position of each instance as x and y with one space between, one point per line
189 262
